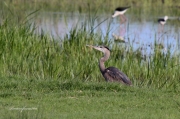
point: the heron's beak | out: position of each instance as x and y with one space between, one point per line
89 46
94 47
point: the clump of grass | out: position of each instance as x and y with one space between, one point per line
22 54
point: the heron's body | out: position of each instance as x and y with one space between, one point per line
111 74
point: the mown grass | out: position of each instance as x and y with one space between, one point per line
61 78
72 99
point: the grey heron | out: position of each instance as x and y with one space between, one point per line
111 74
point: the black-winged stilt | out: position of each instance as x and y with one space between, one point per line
162 21
119 11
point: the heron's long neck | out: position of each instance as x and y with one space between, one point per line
102 60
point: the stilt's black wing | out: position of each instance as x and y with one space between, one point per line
161 20
121 8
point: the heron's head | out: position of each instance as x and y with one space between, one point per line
165 18
103 49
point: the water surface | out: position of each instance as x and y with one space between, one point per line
143 32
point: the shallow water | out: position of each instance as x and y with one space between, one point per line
140 32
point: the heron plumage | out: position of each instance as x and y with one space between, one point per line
111 74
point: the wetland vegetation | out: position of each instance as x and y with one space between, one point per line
60 76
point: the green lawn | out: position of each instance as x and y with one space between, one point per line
73 99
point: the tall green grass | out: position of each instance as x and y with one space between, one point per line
23 53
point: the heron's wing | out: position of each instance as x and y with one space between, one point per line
114 74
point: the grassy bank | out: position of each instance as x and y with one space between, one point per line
72 99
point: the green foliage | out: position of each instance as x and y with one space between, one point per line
25 54
22 54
